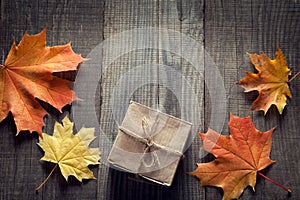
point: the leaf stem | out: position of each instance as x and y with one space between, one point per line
294 76
274 182
43 183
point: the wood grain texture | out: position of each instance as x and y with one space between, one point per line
231 30
226 30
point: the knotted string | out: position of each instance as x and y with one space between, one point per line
149 143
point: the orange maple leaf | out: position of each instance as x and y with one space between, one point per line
27 75
271 81
239 157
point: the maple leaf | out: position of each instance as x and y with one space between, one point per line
239 157
27 75
70 152
271 81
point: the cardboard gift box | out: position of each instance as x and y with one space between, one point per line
150 143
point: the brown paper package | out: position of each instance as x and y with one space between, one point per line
150 143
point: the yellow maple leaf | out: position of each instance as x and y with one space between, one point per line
70 152
271 81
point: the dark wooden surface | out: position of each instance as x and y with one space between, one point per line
226 29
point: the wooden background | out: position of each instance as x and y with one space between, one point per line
226 30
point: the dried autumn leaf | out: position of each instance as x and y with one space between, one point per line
271 81
70 152
239 157
27 75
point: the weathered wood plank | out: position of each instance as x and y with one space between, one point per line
232 29
146 69
22 171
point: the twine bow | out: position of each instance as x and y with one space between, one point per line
149 143
150 159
